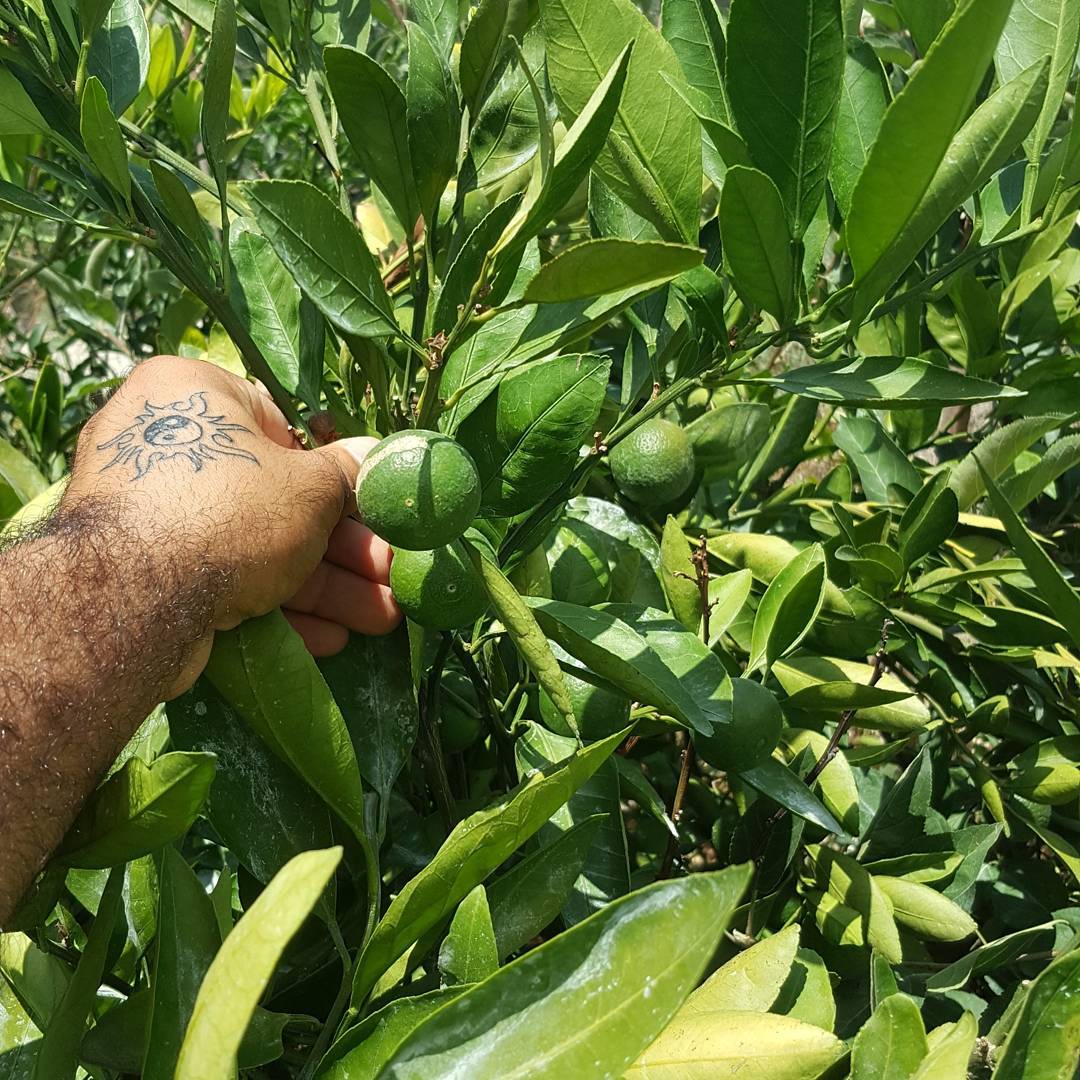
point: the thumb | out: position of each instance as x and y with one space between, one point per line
347 455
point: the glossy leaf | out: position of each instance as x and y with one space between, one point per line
120 53
915 135
652 159
617 969
608 265
750 982
483 46
103 139
217 81
469 953
925 910
677 576
951 1047
784 69
325 255
808 993
929 519
887 382
469 854
863 99
526 436
372 110
989 957
879 461
139 809
433 118
836 782
776 781
747 1045
243 966
789 607
530 895
891 1044
757 241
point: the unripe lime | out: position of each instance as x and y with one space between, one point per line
439 589
460 724
418 490
751 736
599 712
654 464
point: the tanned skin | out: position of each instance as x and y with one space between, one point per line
190 508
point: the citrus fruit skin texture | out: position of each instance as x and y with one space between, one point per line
439 589
654 464
418 490
751 736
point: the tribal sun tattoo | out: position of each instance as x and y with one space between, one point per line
182 429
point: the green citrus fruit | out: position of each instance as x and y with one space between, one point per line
418 490
460 724
654 464
439 589
751 736
599 712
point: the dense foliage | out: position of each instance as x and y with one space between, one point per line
778 778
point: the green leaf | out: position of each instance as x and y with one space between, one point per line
929 519
57 1054
245 963
617 652
361 1052
784 69
180 208
605 874
20 115
217 83
849 883
371 681
904 713
120 54
996 452
139 809
103 139
892 1043
261 809
979 149
757 241
1059 458
514 613
483 47
951 1047
916 133
925 910
677 574
1039 30
1044 1038
749 1045
695 33
526 436
20 473
468 953
527 897
652 158
776 781
619 971
727 437
575 154
751 981
863 99
326 255
789 608
476 846
264 671
879 462
1061 597
808 993
433 119
269 304
836 782
989 957
14 200
887 382
371 107
187 940
594 267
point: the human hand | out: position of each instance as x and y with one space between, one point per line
212 479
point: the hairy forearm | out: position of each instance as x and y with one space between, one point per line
99 622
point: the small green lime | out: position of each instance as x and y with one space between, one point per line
460 724
654 464
599 712
751 736
418 490
439 589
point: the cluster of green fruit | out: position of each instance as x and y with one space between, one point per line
419 491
